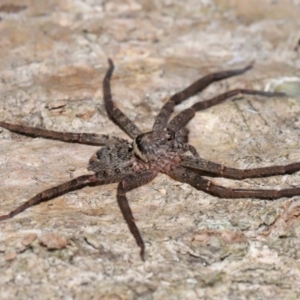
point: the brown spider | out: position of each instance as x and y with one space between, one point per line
133 164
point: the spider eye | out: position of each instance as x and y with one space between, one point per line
170 135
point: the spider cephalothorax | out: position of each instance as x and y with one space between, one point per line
153 146
154 150
136 163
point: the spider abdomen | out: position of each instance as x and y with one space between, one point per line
113 156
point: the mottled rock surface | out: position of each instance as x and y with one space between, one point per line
52 60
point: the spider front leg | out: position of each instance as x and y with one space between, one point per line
207 186
186 115
196 87
129 183
227 95
114 113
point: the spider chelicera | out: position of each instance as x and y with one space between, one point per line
164 149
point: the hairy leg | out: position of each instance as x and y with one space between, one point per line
129 183
72 185
114 113
205 185
186 115
162 118
223 171
221 98
181 119
196 87
70 137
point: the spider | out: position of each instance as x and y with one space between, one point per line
164 149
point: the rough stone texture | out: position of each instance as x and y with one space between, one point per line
52 60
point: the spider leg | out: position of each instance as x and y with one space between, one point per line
129 183
181 119
220 98
223 171
72 185
70 137
207 186
77 183
186 115
162 118
114 113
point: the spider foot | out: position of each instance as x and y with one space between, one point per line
4 217
142 253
